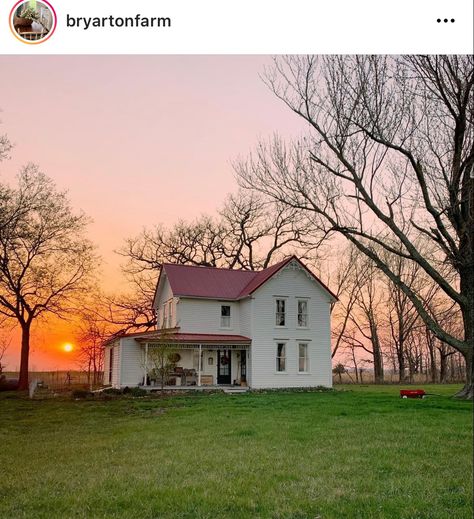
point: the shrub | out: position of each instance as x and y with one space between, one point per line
137 391
7 384
81 393
112 391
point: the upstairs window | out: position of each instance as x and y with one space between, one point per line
302 313
165 315
170 313
280 317
281 357
225 316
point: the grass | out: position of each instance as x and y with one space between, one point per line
358 452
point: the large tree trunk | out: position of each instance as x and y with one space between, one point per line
25 356
467 288
401 364
432 353
443 365
377 351
467 392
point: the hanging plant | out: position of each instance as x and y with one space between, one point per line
29 13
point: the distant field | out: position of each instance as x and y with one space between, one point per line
55 379
65 379
358 452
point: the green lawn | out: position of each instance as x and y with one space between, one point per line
357 452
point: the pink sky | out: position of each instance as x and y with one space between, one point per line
136 140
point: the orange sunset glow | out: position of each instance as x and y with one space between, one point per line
68 347
113 135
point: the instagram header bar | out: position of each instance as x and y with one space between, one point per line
231 27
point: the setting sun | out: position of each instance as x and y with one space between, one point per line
68 347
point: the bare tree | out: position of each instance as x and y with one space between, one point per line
45 261
367 314
259 231
91 336
161 356
249 233
5 147
4 345
388 158
403 318
346 287
339 370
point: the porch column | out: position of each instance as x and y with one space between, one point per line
199 365
145 374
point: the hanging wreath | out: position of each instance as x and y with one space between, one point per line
224 360
174 357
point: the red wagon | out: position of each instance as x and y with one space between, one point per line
412 393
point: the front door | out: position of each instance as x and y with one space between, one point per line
223 367
243 366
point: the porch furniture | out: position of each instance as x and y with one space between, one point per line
190 377
207 380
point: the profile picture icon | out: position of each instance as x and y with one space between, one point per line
33 21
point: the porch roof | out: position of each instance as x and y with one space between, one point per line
204 339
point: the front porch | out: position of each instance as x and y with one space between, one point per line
223 388
183 363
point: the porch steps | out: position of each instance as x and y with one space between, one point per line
235 391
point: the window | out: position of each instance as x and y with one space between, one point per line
280 312
165 315
302 313
303 358
170 314
281 357
225 316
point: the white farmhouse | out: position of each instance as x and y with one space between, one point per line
265 329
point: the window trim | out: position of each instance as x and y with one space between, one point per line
164 320
222 327
285 313
170 313
277 371
303 300
307 370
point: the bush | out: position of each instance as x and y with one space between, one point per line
111 391
137 391
81 393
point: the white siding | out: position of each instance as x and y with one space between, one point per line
291 284
116 363
204 316
246 307
246 317
132 363
163 297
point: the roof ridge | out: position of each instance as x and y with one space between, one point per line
212 268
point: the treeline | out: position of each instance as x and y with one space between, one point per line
376 326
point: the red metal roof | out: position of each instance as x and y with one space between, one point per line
188 338
208 282
218 283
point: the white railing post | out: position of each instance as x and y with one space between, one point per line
145 375
199 366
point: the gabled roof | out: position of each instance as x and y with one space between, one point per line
207 282
226 284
